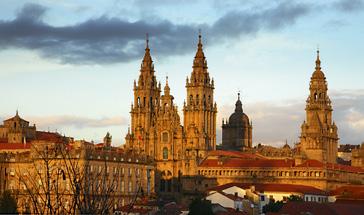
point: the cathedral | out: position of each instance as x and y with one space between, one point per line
156 129
185 154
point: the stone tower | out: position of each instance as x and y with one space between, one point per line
237 131
144 109
319 138
200 109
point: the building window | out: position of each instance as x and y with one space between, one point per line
165 137
165 153
262 198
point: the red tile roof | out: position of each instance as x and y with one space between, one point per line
14 146
318 164
273 188
293 208
49 136
353 192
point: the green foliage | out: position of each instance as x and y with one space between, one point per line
273 206
8 203
198 207
294 198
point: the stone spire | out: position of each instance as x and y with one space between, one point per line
200 60
147 59
166 88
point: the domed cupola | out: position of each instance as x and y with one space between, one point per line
239 117
237 131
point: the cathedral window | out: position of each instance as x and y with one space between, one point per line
165 153
197 99
165 137
191 99
144 101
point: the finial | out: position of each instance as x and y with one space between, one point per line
167 80
239 95
17 113
199 35
147 40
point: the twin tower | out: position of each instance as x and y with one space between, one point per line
156 130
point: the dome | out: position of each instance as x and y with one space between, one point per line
238 118
318 74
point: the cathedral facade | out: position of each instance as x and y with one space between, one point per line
156 130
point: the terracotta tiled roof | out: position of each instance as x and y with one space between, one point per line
273 188
14 146
293 208
349 192
238 162
49 136
231 211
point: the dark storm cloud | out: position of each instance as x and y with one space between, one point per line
110 40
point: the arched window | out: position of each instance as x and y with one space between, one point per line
191 99
197 99
138 101
165 153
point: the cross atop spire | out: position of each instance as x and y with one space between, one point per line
146 41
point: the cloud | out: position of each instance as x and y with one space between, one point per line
274 122
105 40
349 5
76 121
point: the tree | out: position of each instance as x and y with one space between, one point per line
60 180
273 206
199 206
8 203
294 198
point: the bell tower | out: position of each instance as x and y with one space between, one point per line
200 109
319 138
145 107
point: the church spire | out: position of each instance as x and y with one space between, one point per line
200 60
147 60
166 88
318 62
318 74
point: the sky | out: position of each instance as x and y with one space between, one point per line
69 66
